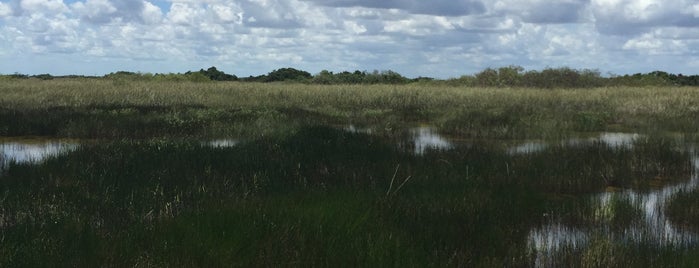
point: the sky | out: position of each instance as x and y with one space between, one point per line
437 38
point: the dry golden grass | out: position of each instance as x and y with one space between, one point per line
665 108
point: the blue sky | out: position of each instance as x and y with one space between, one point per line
438 38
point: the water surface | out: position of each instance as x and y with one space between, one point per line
32 150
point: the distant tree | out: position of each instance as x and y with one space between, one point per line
19 76
43 76
422 79
464 80
591 78
391 77
686 80
346 77
127 76
487 78
288 74
196 77
372 78
639 79
563 77
509 76
215 75
384 77
325 77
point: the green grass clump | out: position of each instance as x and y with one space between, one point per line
564 169
683 209
318 196
315 196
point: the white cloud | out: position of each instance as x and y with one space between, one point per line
643 43
434 7
45 6
354 27
228 13
654 44
186 13
5 10
151 14
627 17
542 11
434 38
280 14
419 25
117 11
95 10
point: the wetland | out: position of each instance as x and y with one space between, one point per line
94 173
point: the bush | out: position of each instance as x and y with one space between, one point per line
487 78
129 76
215 75
288 74
43 76
325 77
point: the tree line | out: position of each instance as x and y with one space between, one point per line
564 77
508 76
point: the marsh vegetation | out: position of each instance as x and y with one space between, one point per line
145 173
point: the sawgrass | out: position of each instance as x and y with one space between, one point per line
299 193
117 108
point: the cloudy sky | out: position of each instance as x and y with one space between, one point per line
438 38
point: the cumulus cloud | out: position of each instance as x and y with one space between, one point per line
423 25
271 14
627 17
228 13
438 38
435 7
49 6
186 13
543 12
654 43
151 14
105 11
5 10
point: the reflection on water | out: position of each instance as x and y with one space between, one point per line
222 143
32 151
354 129
425 138
556 236
619 140
611 139
654 226
528 148
419 140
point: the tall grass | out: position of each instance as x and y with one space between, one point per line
296 194
100 107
